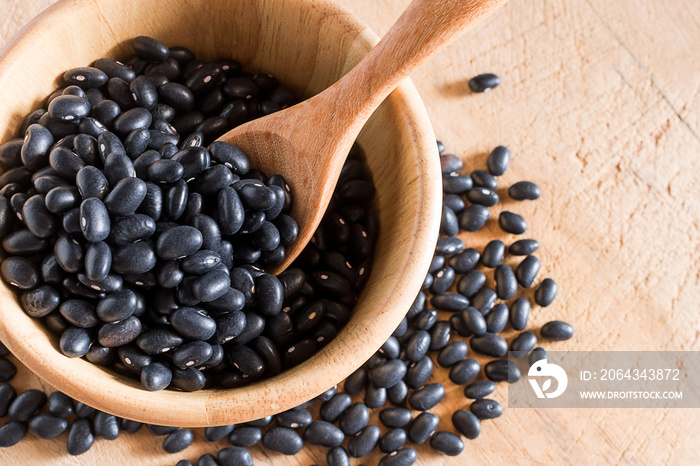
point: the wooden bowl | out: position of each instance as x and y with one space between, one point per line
307 44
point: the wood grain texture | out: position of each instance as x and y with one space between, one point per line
599 105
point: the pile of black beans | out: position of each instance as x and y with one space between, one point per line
141 241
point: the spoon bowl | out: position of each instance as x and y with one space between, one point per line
308 45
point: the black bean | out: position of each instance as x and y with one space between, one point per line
474 321
464 371
119 333
283 440
82 410
248 436
397 394
537 355
117 167
114 69
126 196
484 83
333 408
160 430
557 330
501 370
484 299
85 77
69 108
418 345
426 319
10 153
490 344
524 342
498 161
524 190
449 246
392 440
207 460
453 353
404 457
94 220
482 196
466 423
484 179
40 301
75 342
20 272
493 253
524 247
62 199
323 433
519 313
98 261
423 427
427 397
354 419
79 313
506 284
512 223
91 182
447 443
48 426
449 301
7 370
546 292
65 162
26 404
497 318
253 328
156 376
479 389
106 426
129 426
486 409
364 442
12 432
150 49
60 404
374 397
395 417
527 270
440 335
419 372
294 418
177 441
449 224
456 183
234 456
471 282
246 360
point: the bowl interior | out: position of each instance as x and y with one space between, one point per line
307 45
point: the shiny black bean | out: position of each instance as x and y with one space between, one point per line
418 345
10 153
490 344
156 376
502 370
449 301
454 202
133 358
283 440
455 183
192 354
131 229
546 292
61 199
448 246
471 282
135 258
536 355
118 167
337 457
447 443
474 321
177 242
94 220
105 112
395 417
506 284
426 397
524 247
512 223
65 162
126 196
484 299
482 196
269 294
288 229
333 408
211 285
100 355
85 77
129 426
60 404
519 313
178 440
188 380
230 211
497 318
193 324
177 96
35 148
12 432
106 426
194 161
524 190
364 442
114 69
404 457
7 370
392 440
26 405
68 253
356 381
524 342
136 142
557 330
449 224
479 389
464 371
80 437
247 436
40 301
486 409
253 328
440 335
115 334
493 253
527 270
354 419
374 397
98 261
419 372
423 427
234 456
150 49
474 217
246 360
453 353
79 313
484 179
397 394
426 319
91 182
498 161
294 418
20 272
69 108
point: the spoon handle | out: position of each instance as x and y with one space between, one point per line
423 29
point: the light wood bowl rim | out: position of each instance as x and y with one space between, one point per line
110 393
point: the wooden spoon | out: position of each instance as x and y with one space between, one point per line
309 142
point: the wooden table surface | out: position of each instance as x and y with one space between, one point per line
600 105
